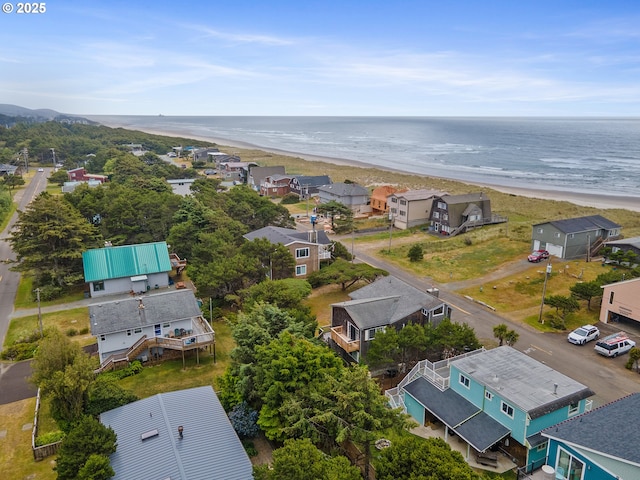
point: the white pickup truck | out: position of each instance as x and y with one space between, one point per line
614 345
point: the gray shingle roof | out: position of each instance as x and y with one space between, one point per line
312 181
610 429
631 241
386 301
119 315
523 381
422 194
209 448
582 224
345 189
464 198
286 236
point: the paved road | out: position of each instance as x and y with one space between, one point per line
607 377
13 386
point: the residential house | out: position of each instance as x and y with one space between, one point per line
81 175
599 445
494 400
258 174
180 435
220 157
574 237
621 302
148 327
411 208
625 245
379 196
204 154
6 169
127 268
308 248
386 303
181 186
276 185
236 171
306 186
69 187
453 214
351 195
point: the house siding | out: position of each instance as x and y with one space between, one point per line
593 472
621 299
414 408
124 284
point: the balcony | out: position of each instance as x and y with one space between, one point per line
348 345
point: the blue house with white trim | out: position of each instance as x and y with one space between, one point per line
495 400
126 268
599 445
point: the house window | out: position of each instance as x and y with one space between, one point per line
571 235
541 447
301 270
539 230
436 214
394 200
488 395
302 252
403 213
574 408
166 325
557 234
445 217
128 333
137 330
570 465
371 333
442 205
103 338
611 297
464 380
506 409
98 286
403 202
439 310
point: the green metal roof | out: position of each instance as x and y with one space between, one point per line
125 261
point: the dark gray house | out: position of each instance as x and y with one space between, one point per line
625 245
352 195
179 435
387 302
307 185
453 214
574 237
258 174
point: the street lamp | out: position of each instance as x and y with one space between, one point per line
544 291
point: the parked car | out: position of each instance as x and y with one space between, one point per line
41 169
584 334
614 345
538 256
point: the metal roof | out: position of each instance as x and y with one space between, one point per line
610 430
120 315
582 224
125 261
210 448
519 379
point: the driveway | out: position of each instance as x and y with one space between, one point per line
14 383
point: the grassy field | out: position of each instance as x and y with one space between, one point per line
76 319
25 296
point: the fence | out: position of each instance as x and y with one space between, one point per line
43 451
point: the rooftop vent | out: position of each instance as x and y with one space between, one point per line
149 434
180 430
555 388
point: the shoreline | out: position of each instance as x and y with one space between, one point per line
595 200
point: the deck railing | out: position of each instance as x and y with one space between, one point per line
343 341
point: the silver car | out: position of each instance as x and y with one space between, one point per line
584 334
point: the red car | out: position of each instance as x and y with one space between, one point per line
538 256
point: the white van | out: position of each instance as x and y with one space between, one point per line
614 345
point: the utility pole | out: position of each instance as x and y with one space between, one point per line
390 229
39 313
544 291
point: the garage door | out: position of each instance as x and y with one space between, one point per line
555 250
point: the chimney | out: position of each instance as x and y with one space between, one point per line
180 430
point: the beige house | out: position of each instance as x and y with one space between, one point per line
621 302
411 208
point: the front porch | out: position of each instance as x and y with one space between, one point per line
344 342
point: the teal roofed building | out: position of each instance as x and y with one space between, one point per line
126 268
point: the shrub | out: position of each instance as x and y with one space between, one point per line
49 437
134 368
19 351
48 292
290 199
415 253
250 448
71 332
244 420
84 331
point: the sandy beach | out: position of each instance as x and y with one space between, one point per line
596 200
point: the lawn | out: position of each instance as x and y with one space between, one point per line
26 298
321 299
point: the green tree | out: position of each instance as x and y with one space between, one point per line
49 238
87 438
634 359
58 177
505 334
398 347
345 274
106 394
97 467
341 216
563 304
301 460
413 458
450 339
586 291
415 253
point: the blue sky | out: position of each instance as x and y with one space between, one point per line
346 57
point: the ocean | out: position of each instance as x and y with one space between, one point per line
594 156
